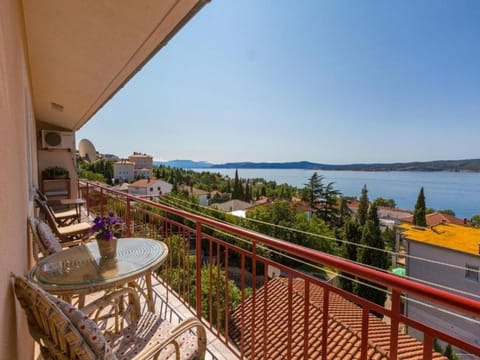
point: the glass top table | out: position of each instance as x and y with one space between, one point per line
81 270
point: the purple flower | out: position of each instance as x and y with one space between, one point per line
107 227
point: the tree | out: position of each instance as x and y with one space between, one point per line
344 211
475 220
447 211
385 202
352 236
372 255
236 194
313 190
329 211
363 206
419 212
449 353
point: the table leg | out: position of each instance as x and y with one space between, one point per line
148 282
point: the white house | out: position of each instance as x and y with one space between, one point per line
202 195
123 170
150 188
444 244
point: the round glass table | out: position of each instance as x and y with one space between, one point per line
80 270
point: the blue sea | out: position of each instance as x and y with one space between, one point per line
443 190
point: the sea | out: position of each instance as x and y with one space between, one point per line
458 191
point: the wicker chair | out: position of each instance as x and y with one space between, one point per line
64 332
44 240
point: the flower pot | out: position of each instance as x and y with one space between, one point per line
107 248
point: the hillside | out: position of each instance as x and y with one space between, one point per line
469 165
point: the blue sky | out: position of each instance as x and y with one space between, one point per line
324 81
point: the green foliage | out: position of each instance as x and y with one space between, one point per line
285 214
385 202
372 256
429 210
323 198
475 220
449 353
388 236
55 172
420 210
363 206
181 277
352 234
90 175
313 190
447 211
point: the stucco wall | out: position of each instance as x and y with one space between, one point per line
446 276
18 163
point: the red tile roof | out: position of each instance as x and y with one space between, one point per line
438 218
344 326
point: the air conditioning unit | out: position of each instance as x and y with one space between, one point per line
53 139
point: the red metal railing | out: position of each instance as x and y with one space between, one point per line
206 249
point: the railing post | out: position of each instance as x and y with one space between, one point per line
127 217
427 346
88 199
101 203
198 279
325 315
394 324
364 341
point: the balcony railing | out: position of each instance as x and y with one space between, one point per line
221 272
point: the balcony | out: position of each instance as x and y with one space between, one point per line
252 312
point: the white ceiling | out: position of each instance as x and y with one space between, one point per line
81 52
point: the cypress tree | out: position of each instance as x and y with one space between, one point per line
352 234
419 215
372 237
363 207
236 186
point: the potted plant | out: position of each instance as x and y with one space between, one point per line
55 172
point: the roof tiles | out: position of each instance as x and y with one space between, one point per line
344 326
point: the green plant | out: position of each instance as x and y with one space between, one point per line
55 172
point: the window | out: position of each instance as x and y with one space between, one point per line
158 188
471 272
151 189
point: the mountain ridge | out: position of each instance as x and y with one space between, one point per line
466 165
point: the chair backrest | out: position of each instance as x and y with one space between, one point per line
48 243
42 196
46 212
49 326
37 246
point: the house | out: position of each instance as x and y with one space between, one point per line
437 218
202 195
388 216
233 205
143 165
344 326
123 170
453 262
150 188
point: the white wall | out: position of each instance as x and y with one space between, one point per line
446 276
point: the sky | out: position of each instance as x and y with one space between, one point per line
332 82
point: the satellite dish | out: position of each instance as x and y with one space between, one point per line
87 150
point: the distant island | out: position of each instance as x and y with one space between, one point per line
469 165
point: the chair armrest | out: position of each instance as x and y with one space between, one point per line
95 308
186 325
